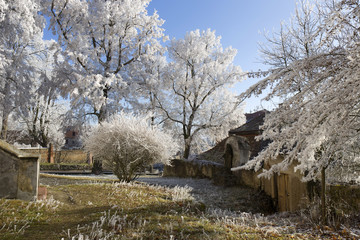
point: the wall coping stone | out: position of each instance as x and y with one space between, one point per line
16 152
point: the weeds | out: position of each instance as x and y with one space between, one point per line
16 216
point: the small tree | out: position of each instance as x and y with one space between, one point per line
127 143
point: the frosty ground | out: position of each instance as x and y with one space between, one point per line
235 206
242 199
153 208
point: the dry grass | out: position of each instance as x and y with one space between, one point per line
133 211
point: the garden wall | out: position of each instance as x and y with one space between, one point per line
19 173
286 189
192 169
345 197
77 156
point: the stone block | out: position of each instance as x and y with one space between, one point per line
19 173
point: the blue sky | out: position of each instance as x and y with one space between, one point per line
241 23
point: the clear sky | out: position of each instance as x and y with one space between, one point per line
241 23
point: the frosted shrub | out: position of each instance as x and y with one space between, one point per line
126 144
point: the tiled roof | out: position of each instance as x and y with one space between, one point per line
252 125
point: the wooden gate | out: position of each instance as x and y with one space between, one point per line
283 192
228 156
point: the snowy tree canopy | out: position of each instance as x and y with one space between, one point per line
315 71
195 99
101 39
21 46
43 115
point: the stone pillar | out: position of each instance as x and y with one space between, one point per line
51 154
89 158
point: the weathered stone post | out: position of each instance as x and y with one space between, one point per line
19 173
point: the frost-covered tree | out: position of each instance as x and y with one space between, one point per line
127 143
43 115
315 71
147 83
317 124
20 34
101 39
196 101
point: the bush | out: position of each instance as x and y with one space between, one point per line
126 144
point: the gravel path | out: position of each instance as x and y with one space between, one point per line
235 198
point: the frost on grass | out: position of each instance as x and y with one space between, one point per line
118 221
15 219
182 193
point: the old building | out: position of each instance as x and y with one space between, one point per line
241 144
72 138
286 189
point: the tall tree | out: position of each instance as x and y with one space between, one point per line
43 115
100 40
195 100
20 34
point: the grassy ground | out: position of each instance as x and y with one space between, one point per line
127 211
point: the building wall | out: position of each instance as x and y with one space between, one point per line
286 188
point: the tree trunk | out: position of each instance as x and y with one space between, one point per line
323 194
187 149
6 111
4 126
102 114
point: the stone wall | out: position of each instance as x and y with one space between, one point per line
19 173
192 169
286 189
345 197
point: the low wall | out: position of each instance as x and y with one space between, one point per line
345 197
19 173
193 169
77 156
287 190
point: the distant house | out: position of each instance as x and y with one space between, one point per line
72 138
